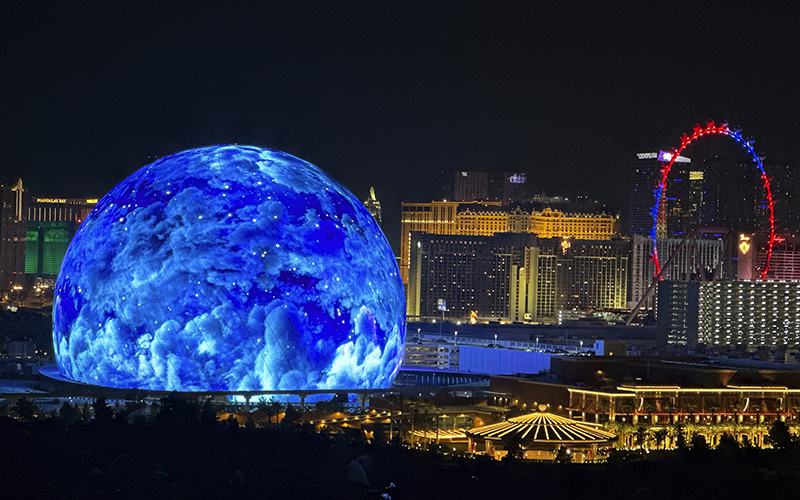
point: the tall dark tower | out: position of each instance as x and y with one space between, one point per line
470 186
643 183
678 197
785 186
13 226
732 196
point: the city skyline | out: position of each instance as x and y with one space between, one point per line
378 95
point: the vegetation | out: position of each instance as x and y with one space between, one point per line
181 450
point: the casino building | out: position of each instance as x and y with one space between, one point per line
514 276
51 224
729 313
490 217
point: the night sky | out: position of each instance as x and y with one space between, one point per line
392 94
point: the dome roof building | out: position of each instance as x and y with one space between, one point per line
541 434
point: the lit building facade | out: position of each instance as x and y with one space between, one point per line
51 224
555 224
730 313
504 187
436 217
60 209
742 411
13 204
753 313
733 196
695 257
514 276
784 264
489 218
644 178
678 316
592 274
471 273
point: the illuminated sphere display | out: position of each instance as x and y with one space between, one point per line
229 268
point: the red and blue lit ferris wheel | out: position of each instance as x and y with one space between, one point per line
698 132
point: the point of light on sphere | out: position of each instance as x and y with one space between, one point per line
229 268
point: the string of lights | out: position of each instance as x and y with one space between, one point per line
658 213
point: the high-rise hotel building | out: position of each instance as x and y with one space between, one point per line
514 276
13 203
488 218
784 263
729 313
693 258
51 224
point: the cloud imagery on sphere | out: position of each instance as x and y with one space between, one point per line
230 268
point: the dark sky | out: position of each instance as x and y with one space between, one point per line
391 94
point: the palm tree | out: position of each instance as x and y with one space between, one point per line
642 437
649 407
712 407
737 407
670 408
795 412
679 435
691 408
757 409
660 436
603 406
626 406
276 408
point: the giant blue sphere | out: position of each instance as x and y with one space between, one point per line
229 268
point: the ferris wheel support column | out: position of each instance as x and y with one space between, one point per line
657 277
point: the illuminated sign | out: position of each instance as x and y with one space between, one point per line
696 176
662 156
51 200
517 179
744 243
93 200
666 157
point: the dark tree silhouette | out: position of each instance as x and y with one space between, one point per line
727 442
102 413
275 408
699 442
780 436
513 445
680 436
25 408
68 414
292 415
